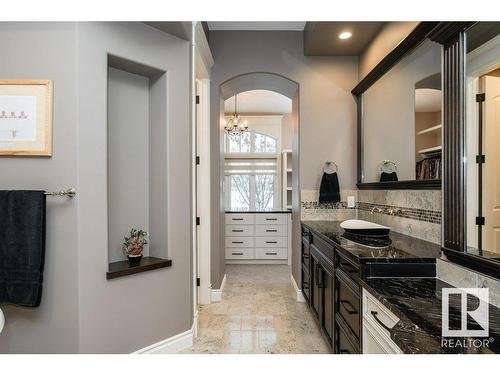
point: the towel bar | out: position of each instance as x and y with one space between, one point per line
71 192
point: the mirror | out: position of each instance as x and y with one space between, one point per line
482 87
401 121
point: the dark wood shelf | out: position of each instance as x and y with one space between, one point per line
123 268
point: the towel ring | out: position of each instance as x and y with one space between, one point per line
330 167
387 166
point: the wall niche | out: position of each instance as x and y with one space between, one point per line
137 156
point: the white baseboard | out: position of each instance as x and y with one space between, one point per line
300 296
216 294
173 344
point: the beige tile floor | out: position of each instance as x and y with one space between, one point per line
258 314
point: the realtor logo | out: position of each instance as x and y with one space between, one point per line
469 312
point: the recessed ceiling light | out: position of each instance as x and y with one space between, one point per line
345 35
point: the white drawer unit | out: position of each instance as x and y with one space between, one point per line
258 238
240 230
271 242
377 324
274 219
238 254
271 230
271 253
240 242
240 219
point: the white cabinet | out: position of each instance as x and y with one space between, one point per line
258 238
377 323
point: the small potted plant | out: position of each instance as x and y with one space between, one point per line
134 245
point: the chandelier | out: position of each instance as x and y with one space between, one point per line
235 126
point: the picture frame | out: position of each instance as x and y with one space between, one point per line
26 117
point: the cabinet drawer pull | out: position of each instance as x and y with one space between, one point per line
237 253
236 241
271 253
348 306
374 314
237 219
237 230
305 255
271 241
344 351
271 218
271 230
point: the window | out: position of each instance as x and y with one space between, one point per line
251 172
251 142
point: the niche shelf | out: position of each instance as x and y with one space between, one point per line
431 151
137 154
286 160
431 129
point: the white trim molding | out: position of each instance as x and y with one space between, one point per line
300 296
174 344
217 293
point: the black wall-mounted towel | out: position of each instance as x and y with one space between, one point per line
329 190
388 176
22 246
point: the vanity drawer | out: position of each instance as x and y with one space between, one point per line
271 230
348 303
239 219
277 219
239 241
236 253
271 242
351 269
378 315
345 346
240 230
272 253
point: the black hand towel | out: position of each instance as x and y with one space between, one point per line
388 176
22 246
329 191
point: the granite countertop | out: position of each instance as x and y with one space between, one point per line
260 211
401 248
417 302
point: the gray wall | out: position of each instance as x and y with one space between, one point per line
383 43
129 313
46 51
80 310
128 159
327 109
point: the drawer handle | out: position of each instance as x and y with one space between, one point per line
374 314
344 351
271 230
271 218
305 255
237 230
237 219
237 253
348 306
237 242
271 253
271 241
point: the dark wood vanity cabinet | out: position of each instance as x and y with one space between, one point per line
330 285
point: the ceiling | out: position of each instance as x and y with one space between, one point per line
257 26
260 101
322 38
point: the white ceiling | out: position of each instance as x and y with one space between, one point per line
256 26
260 101
427 100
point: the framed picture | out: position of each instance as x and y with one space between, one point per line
25 117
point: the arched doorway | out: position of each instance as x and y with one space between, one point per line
289 88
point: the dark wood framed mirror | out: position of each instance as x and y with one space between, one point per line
399 105
471 113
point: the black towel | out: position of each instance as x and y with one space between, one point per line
22 246
388 176
329 190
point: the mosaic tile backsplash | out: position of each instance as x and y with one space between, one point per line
415 213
